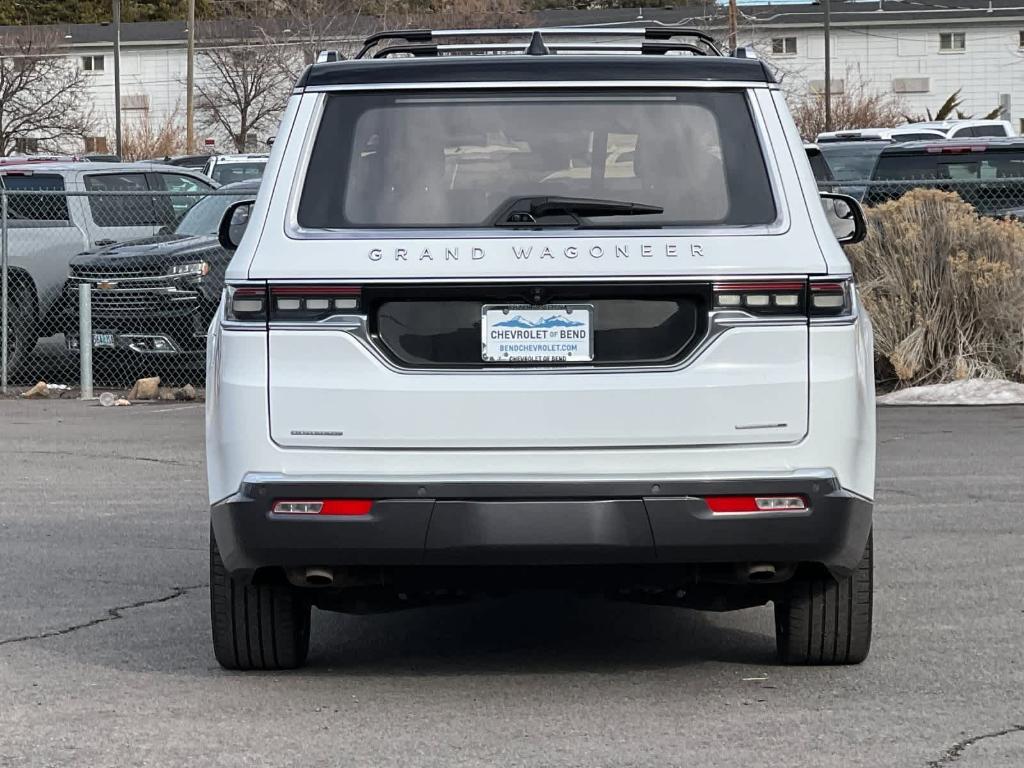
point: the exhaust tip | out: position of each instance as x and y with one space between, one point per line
318 577
761 572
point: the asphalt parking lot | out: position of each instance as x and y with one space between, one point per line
105 657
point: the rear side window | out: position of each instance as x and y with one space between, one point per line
951 166
229 173
423 160
121 210
36 207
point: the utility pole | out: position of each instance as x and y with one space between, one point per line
827 7
190 78
732 25
117 77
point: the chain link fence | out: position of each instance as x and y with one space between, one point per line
110 286
1001 197
154 271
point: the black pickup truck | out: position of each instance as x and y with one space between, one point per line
157 295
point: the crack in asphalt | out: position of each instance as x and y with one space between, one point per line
154 460
956 751
112 615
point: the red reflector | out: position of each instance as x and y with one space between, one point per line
347 507
338 507
724 505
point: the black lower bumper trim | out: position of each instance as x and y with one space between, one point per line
540 523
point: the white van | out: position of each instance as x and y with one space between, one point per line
555 317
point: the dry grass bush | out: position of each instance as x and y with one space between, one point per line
143 138
945 289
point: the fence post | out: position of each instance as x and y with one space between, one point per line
3 291
85 339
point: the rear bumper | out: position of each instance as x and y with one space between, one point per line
552 523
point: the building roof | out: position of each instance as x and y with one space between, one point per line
844 13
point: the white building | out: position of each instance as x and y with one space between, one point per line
921 52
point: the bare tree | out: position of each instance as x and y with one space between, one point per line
319 25
857 106
42 93
455 14
241 89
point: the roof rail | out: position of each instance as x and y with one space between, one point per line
645 40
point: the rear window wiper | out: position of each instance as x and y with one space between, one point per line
548 211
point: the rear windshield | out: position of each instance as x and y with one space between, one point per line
229 173
390 160
35 207
959 166
852 162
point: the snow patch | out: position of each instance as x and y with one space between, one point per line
965 392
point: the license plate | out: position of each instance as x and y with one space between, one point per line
103 340
530 334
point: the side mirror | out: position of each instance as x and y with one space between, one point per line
233 224
846 217
166 229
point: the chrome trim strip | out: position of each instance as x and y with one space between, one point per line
719 323
269 478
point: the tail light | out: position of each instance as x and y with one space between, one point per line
831 298
246 304
310 303
787 298
762 298
752 505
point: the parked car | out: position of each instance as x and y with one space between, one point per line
851 162
227 169
196 162
447 363
45 231
986 172
904 133
966 128
156 295
820 169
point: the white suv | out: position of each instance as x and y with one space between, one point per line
541 320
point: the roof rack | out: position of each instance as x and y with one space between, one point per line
653 40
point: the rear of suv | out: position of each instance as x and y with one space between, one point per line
569 316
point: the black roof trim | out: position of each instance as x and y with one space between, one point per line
531 69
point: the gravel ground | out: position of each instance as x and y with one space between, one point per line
105 657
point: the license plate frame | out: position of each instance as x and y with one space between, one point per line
102 340
551 334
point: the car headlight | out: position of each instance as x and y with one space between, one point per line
197 268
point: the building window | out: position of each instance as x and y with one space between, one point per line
784 46
92 63
96 145
26 145
950 42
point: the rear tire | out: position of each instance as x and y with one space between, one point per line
822 620
22 333
256 626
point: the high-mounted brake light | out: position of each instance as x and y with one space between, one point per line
752 505
310 303
325 507
954 149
